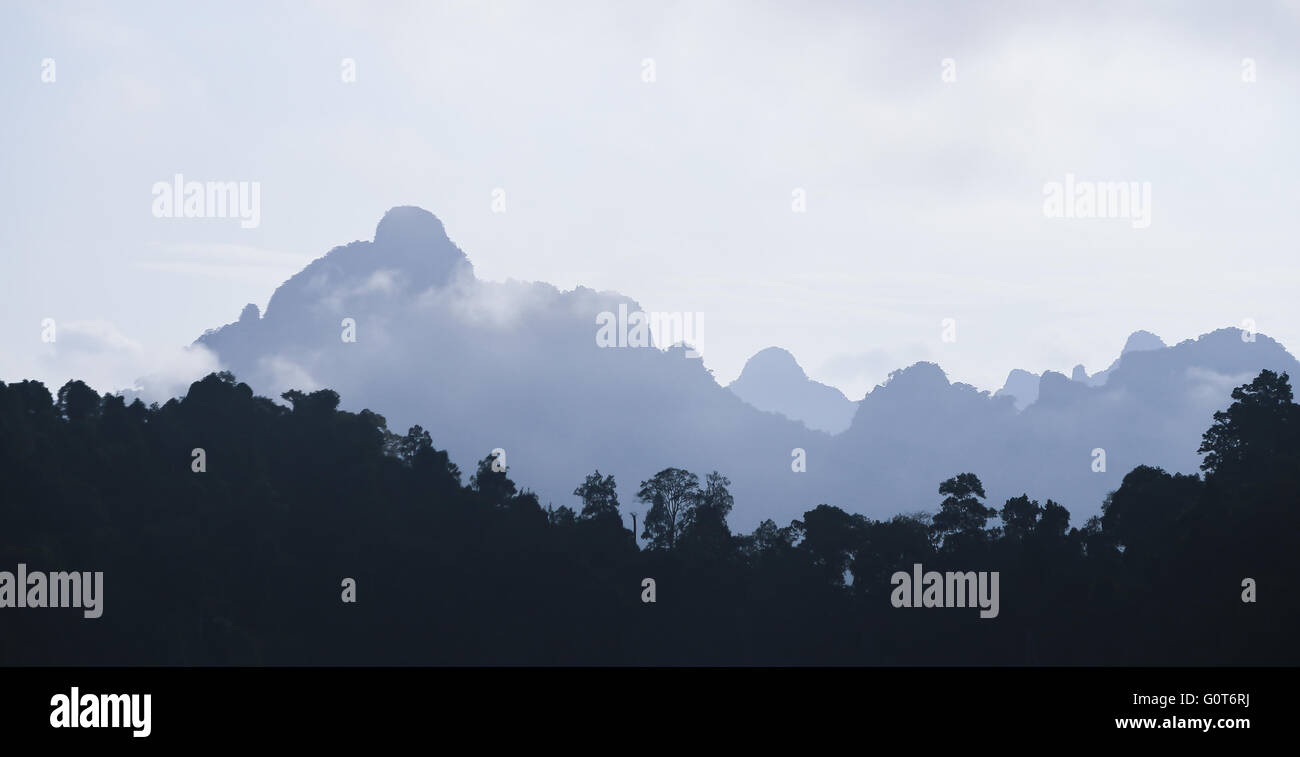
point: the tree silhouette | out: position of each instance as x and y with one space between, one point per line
705 525
1256 435
1020 517
494 485
1143 514
599 498
1054 520
672 495
77 402
962 516
830 536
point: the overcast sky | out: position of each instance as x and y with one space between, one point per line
924 197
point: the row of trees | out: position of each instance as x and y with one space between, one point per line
243 563
679 510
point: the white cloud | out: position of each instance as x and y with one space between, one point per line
285 374
99 354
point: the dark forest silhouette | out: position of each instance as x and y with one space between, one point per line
243 563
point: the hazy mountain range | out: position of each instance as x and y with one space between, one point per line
516 365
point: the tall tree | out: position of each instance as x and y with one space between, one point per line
706 523
831 537
962 516
77 401
599 497
1143 514
494 485
672 495
1020 517
1247 439
1054 520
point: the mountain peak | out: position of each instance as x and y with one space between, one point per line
772 381
411 252
410 225
1022 386
415 239
1142 341
774 361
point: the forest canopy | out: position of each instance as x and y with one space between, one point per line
226 526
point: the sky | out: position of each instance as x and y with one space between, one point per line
833 178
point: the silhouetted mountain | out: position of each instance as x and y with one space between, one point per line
1138 341
1022 386
517 366
1144 413
1142 341
772 381
510 365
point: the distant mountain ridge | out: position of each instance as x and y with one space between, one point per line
515 365
1023 385
773 381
